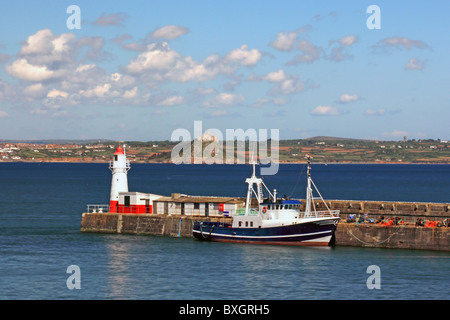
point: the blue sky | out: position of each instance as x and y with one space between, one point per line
138 70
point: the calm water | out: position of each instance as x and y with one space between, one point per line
40 212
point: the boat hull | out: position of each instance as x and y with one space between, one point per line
315 233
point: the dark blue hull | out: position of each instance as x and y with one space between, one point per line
317 233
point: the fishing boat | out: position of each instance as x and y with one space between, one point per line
270 220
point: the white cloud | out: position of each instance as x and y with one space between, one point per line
84 67
338 53
38 43
288 86
414 64
59 71
132 93
160 63
310 53
387 44
36 90
284 84
169 32
284 41
325 110
54 93
157 57
98 91
3 114
348 40
112 19
346 98
23 70
244 56
224 99
275 76
172 101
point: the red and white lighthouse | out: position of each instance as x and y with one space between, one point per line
119 166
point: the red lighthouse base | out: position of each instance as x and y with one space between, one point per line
113 205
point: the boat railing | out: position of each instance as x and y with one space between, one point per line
100 208
326 213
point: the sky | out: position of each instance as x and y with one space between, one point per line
139 70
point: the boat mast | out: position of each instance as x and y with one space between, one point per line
309 195
259 188
252 180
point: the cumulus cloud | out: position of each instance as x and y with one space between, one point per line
224 99
172 101
113 19
288 86
244 56
310 53
338 53
388 44
58 71
54 93
346 98
35 91
414 64
3 114
275 76
284 84
160 63
23 70
348 40
48 57
285 41
132 93
325 111
169 32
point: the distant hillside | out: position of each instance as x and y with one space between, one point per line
326 138
57 141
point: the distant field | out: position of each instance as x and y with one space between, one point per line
322 149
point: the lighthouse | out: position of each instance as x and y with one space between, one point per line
119 166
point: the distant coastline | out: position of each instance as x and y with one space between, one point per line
327 150
281 163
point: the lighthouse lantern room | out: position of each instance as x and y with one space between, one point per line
119 167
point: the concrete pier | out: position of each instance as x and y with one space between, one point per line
406 235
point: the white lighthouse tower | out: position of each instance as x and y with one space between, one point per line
119 167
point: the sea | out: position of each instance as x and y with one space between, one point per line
44 256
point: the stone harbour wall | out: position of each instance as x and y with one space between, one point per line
406 235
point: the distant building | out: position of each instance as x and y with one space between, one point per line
208 137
